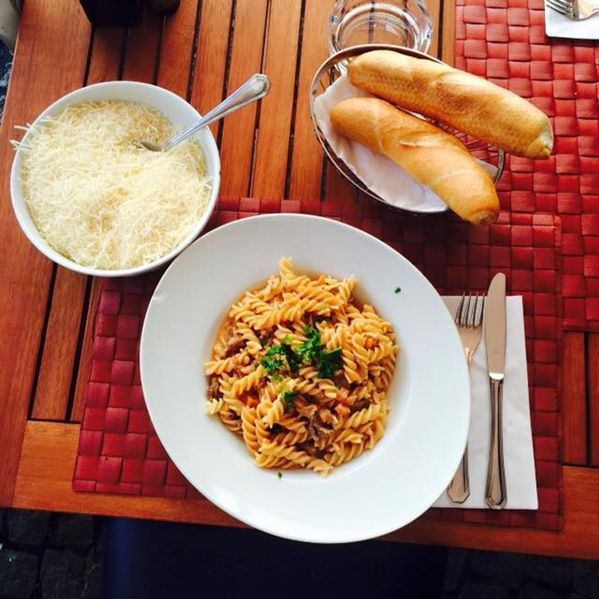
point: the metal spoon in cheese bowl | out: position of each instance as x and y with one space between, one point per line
255 88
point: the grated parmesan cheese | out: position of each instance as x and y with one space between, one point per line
102 201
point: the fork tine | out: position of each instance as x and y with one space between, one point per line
569 6
566 4
466 315
474 317
482 310
557 7
458 314
472 314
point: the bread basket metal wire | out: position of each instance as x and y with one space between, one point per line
330 70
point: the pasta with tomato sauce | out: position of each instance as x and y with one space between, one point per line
300 370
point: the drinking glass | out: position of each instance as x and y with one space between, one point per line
405 23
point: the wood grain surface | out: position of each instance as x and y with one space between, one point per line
593 396
435 7
27 275
210 69
107 53
447 31
306 155
239 129
85 358
177 49
60 348
574 403
143 49
276 110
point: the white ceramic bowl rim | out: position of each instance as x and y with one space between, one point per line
424 441
174 108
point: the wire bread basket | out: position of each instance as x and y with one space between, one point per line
490 157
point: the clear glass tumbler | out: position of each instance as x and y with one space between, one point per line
405 23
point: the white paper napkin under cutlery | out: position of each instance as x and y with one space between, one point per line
517 433
558 25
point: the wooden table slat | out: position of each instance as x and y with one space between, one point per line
237 145
574 408
593 395
60 348
269 175
85 357
142 49
176 49
63 40
448 16
44 481
434 8
306 156
208 77
108 46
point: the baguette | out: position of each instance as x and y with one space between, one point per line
463 101
432 156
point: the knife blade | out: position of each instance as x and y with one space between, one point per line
495 334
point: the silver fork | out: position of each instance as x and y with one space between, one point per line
575 10
469 320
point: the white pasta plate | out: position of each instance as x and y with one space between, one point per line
380 491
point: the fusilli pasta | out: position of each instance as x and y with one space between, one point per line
300 370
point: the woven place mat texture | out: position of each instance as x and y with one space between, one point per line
505 42
119 451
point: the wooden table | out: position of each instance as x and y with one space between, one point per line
46 313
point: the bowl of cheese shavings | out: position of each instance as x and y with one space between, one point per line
93 200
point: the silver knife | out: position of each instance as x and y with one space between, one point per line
496 493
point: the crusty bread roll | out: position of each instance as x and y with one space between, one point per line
432 156
461 100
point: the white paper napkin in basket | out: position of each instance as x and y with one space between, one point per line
557 25
381 175
517 435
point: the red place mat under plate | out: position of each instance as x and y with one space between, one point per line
119 451
505 41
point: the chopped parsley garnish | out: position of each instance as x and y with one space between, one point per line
283 358
309 348
293 359
273 359
328 363
279 358
288 400
398 290
280 474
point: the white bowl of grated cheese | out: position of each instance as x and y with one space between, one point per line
92 201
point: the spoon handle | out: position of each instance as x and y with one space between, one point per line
256 87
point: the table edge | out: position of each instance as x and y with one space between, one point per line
46 469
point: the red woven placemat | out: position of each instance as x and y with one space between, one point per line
504 41
119 451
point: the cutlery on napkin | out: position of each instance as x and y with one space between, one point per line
495 333
558 25
517 432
